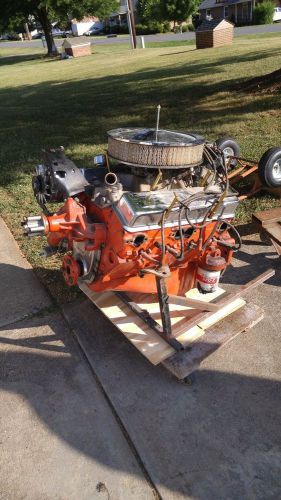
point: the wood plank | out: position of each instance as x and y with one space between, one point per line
144 338
200 317
274 231
266 216
153 347
194 303
276 246
181 364
181 330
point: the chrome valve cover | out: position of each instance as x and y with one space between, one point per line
140 211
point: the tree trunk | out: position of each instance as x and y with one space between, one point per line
47 28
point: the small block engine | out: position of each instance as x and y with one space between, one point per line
157 204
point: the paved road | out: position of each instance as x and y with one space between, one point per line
245 30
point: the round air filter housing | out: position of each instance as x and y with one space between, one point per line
139 148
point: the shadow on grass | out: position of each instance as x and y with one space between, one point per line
9 60
77 114
250 56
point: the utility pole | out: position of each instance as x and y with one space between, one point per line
131 24
29 37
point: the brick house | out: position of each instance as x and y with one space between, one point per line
236 11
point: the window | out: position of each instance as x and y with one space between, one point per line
208 15
226 11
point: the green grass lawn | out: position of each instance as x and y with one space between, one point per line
48 103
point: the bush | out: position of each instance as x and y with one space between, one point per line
184 28
123 29
159 27
117 29
190 27
166 27
149 28
141 29
263 13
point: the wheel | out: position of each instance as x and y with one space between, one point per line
269 167
229 148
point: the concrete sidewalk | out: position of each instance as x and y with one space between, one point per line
59 437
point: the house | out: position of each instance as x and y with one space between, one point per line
120 17
236 11
80 27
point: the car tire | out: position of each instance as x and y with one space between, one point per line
269 167
229 147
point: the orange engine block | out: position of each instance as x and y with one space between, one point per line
122 229
108 257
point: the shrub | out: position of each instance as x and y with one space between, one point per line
158 27
263 13
123 29
166 27
149 28
141 29
118 29
190 27
184 28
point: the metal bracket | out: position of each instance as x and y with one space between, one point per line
145 316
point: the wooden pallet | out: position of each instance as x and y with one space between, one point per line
199 332
269 222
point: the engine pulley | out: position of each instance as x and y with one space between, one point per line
71 270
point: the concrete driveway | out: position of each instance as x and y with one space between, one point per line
84 415
60 437
221 437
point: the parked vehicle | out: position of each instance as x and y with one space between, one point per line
277 15
10 36
95 30
56 31
36 36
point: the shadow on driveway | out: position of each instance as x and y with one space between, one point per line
217 439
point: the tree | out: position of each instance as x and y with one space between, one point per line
149 10
263 12
46 11
178 11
